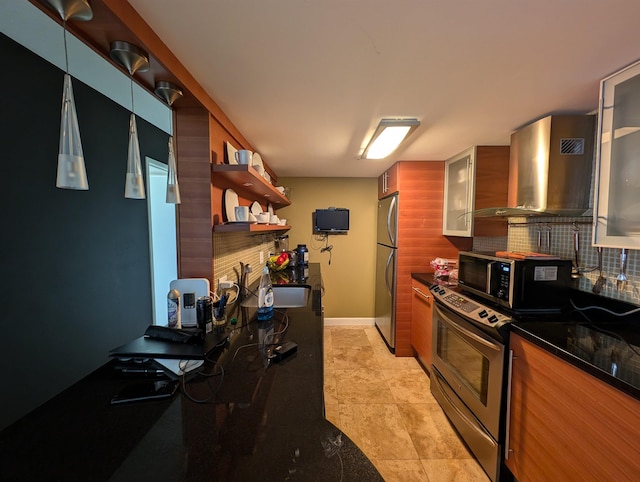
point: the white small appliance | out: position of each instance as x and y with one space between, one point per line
190 290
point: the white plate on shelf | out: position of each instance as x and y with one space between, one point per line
270 209
255 208
231 153
229 204
256 160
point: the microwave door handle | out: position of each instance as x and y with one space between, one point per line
452 324
487 288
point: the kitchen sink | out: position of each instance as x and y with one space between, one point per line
284 297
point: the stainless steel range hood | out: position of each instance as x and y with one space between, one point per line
550 168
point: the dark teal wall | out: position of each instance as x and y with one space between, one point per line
75 264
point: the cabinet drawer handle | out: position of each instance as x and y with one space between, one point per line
508 449
417 290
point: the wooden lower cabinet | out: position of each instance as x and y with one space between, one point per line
567 425
421 316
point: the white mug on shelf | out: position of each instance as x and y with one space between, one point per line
243 156
263 218
242 213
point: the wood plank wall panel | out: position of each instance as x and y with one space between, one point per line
492 187
587 433
217 138
195 248
421 188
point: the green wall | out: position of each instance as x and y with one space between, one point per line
349 281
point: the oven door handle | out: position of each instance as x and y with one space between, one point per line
470 423
467 333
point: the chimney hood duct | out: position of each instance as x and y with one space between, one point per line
550 167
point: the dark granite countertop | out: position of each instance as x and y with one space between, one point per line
424 278
428 279
260 419
606 346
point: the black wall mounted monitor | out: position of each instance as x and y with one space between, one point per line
331 221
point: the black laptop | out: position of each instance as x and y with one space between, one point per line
147 347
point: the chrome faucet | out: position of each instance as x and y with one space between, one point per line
245 269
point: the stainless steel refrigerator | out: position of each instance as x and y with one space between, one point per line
386 255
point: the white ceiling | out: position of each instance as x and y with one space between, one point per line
307 80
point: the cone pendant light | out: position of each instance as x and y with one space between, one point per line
170 93
134 183
134 59
173 190
71 172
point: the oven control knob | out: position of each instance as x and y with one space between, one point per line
493 319
483 314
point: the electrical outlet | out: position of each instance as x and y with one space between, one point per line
261 257
222 280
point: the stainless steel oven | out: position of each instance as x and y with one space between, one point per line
469 372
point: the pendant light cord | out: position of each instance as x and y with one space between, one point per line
64 35
131 77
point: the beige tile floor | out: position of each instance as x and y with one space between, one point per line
385 406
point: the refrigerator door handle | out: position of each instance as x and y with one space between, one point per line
391 215
386 273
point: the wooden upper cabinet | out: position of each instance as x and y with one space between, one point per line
565 424
476 178
388 182
616 203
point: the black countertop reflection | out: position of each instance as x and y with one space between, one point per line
594 340
254 419
606 348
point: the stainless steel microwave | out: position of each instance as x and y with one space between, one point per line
532 284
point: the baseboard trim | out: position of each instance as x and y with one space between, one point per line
349 321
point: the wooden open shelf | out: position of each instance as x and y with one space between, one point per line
244 228
248 183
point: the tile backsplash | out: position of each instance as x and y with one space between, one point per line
556 236
230 249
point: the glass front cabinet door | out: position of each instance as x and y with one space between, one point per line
459 187
617 200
